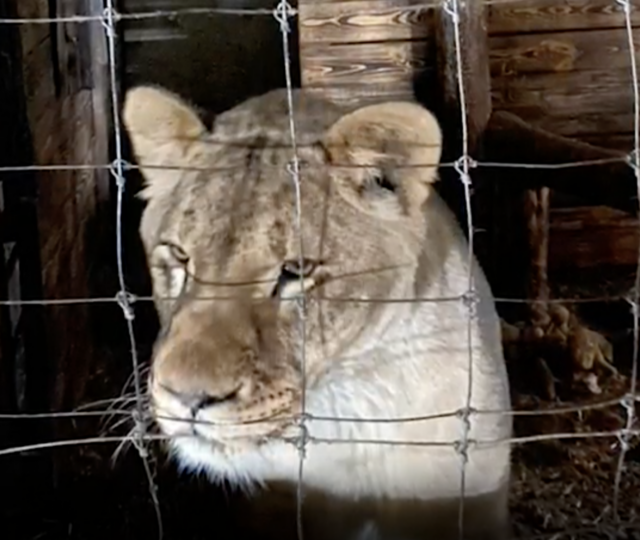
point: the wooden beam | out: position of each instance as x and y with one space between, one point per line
529 16
572 83
509 139
474 55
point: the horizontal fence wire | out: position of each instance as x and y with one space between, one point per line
133 405
203 11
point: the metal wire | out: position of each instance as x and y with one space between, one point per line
199 12
283 13
134 299
629 403
125 166
123 297
452 8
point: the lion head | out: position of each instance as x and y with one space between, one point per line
269 271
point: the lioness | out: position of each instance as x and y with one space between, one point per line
367 243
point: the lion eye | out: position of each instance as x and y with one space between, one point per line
299 268
293 270
179 254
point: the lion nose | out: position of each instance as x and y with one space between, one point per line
200 400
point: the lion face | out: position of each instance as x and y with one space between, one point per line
252 271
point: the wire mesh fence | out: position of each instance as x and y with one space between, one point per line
284 16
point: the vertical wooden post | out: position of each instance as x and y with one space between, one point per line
469 55
476 76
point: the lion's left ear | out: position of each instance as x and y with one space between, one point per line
165 134
396 148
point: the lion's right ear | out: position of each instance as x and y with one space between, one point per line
165 134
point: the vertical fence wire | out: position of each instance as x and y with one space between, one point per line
462 167
123 296
282 14
629 401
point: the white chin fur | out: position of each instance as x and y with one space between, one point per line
245 469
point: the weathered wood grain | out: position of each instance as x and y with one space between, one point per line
560 52
32 35
551 15
570 83
363 21
365 64
39 83
583 96
356 95
426 3
588 237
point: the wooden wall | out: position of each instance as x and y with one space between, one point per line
66 93
364 51
562 65
565 66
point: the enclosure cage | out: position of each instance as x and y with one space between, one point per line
540 109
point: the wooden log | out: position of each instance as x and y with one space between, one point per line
508 139
557 52
550 15
570 82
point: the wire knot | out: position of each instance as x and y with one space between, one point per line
281 13
109 17
625 4
451 8
470 300
125 301
462 449
301 441
117 169
462 166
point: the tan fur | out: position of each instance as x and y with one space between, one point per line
228 226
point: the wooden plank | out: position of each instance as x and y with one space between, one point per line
587 237
427 3
363 21
560 52
357 52
601 99
364 64
571 83
552 15
357 95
